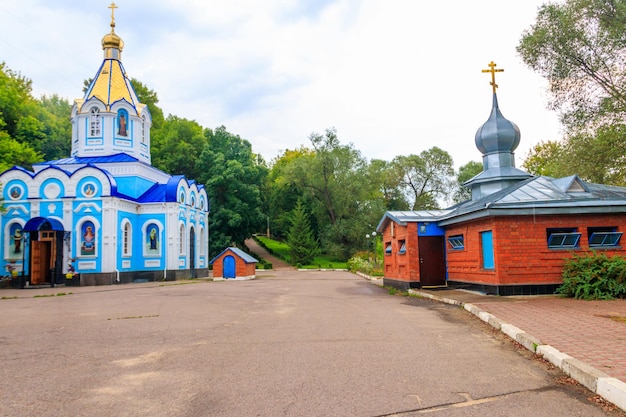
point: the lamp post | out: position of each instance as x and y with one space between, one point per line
373 236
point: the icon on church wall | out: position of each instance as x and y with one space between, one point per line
122 121
15 192
16 239
89 189
88 239
153 237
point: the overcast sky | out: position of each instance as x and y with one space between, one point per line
392 76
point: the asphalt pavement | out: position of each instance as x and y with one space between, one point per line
285 344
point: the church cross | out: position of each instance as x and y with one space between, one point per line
492 69
113 7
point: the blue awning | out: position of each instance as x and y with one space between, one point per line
36 224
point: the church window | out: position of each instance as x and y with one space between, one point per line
94 123
457 242
181 238
127 240
600 237
567 238
143 129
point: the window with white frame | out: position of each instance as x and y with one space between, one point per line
143 128
127 244
94 123
600 237
564 238
457 242
181 238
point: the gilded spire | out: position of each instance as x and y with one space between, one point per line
112 44
112 7
492 69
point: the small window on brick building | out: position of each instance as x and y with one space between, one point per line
603 237
457 242
566 238
388 248
402 244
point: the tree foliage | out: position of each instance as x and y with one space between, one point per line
233 181
579 47
466 173
425 178
303 246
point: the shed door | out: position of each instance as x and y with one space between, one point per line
229 267
432 262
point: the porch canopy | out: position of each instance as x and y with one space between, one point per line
42 223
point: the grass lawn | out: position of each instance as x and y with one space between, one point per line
281 250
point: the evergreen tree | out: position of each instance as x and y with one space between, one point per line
303 247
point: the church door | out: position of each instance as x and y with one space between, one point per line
229 267
40 261
192 252
432 261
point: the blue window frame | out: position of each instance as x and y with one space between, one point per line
457 242
388 248
563 238
600 237
402 244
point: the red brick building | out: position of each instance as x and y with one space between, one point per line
515 233
233 263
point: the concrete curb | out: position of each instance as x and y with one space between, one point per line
611 389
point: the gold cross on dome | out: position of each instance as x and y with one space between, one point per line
113 7
492 69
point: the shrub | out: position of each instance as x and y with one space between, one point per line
358 264
594 277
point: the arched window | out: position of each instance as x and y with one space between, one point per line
202 241
143 129
94 122
127 242
181 238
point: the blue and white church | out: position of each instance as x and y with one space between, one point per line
104 213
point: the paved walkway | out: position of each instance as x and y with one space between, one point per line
277 263
593 332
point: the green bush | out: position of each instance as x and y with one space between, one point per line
594 277
358 264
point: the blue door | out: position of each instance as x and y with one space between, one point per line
229 267
487 245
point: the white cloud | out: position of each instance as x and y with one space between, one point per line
394 77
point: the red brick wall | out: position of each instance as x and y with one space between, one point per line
401 267
521 253
242 269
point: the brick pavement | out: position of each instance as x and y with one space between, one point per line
591 331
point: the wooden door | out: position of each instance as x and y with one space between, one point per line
40 262
432 261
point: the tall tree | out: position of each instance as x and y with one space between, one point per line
334 178
175 147
233 179
303 246
426 178
466 173
579 46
